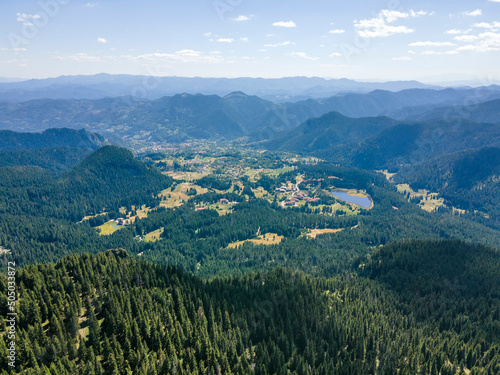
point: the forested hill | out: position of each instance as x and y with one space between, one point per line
10 140
467 179
479 112
111 314
54 159
380 143
328 131
107 179
39 210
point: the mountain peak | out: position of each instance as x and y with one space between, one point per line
236 94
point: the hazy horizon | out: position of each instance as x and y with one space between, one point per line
429 42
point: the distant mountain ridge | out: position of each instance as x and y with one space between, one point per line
480 112
380 142
185 117
107 85
10 140
398 105
170 119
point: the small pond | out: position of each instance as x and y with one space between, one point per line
364 202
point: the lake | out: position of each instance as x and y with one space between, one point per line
364 202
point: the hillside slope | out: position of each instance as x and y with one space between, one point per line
122 315
466 179
328 131
10 140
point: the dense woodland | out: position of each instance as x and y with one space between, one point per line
112 314
41 213
363 300
467 179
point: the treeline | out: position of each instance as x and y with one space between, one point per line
39 210
467 180
111 314
55 159
106 180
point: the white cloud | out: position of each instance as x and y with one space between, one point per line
421 13
440 53
102 40
185 55
474 13
83 57
485 25
90 5
495 1
14 49
303 55
457 32
287 43
242 18
431 44
207 34
484 42
337 31
378 26
284 24
225 40
244 39
23 17
466 38
335 54
392 15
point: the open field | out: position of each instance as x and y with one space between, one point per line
221 208
260 192
153 236
266 239
312 233
109 228
186 176
387 175
429 201
177 197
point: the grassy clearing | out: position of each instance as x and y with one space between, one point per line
312 233
178 196
221 208
260 192
428 201
187 176
153 236
109 228
285 170
387 175
265 239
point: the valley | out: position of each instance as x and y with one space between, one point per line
240 248
238 187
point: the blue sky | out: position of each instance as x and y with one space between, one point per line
430 41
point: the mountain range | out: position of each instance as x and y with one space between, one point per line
147 87
185 117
